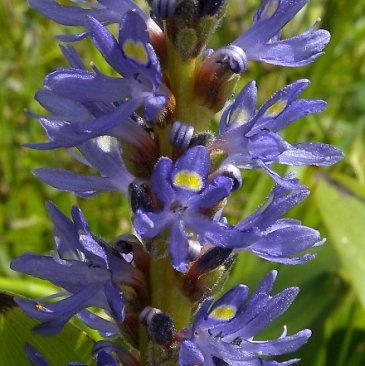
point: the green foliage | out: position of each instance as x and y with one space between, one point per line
332 286
15 330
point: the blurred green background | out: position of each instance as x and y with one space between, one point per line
332 297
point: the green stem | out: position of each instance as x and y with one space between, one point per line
182 77
166 292
164 141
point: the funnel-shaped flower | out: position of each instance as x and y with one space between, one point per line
261 42
86 267
97 104
189 199
223 331
250 137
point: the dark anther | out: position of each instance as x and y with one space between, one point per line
219 362
210 7
237 341
123 246
139 198
141 122
161 329
160 325
203 139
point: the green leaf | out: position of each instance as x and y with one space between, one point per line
344 216
70 344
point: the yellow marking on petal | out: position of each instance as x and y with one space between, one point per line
188 180
223 312
240 115
135 51
276 108
270 9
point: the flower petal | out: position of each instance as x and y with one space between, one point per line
311 154
241 110
80 184
161 181
178 246
84 86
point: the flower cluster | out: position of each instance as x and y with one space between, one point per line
144 129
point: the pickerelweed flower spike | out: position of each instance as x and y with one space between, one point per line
145 131
222 332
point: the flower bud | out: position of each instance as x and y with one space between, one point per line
160 326
218 75
164 8
210 260
232 57
207 272
181 134
232 172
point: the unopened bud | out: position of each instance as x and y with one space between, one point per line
181 134
147 314
160 326
186 12
157 39
231 57
164 8
207 272
217 157
218 75
210 260
232 172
